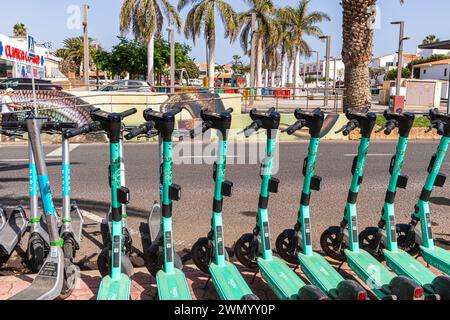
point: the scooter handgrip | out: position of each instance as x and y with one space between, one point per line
128 113
59 125
390 126
76 132
349 128
136 132
440 127
251 129
13 124
295 127
229 110
199 130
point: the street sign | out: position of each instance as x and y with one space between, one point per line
31 47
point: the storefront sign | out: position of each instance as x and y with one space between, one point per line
16 54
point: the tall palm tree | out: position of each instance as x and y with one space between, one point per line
284 39
73 50
302 23
358 17
19 30
263 10
201 18
145 19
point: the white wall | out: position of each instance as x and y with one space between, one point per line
426 53
436 72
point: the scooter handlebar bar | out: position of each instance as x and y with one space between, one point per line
252 128
205 126
128 113
145 129
295 127
88 128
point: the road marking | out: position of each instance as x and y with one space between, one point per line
26 160
96 218
370 155
205 157
58 152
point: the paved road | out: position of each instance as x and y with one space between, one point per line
192 213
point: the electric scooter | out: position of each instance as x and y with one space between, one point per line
12 228
290 242
209 254
341 243
58 275
117 284
383 239
171 281
410 238
254 250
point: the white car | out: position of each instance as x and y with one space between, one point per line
128 86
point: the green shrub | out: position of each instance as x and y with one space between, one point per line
419 122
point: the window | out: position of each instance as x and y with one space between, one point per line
424 71
445 72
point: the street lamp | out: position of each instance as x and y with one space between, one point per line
402 38
327 66
317 67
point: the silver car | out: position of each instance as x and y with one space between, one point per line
128 86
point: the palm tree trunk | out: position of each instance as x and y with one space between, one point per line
283 70
212 59
266 77
259 67
273 76
151 60
291 71
297 72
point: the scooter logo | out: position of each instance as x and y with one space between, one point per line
283 276
232 283
174 292
325 272
374 277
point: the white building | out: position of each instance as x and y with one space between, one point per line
426 53
436 70
390 61
337 69
14 60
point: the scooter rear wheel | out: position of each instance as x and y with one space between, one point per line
412 248
328 242
35 253
284 245
368 242
103 265
243 251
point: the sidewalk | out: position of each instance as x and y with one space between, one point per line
143 286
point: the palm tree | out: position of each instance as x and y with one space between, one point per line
145 19
357 46
430 39
302 23
73 50
201 18
19 30
263 10
284 39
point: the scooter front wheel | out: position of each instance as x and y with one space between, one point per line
368 242
103 263
154 260
412 248
286 248
203 254
245 251
35 253
329 243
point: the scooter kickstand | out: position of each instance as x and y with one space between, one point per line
254 277
340 266
207 283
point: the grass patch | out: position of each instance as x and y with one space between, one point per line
419 122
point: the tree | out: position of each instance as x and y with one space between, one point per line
200 18
302 23
358 24
73 50
145 19
262 9
238 66
192 71
285 42
392 75
19 30
430 39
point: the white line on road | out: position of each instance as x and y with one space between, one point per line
205 157
98 219
371 155
26 160
58 152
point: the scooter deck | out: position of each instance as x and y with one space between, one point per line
172 286
404 264
320 273
438 258
228 281
114 289
12 232
49 282
370 270
283 281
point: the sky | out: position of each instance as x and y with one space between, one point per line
55 20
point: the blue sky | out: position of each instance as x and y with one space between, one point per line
47 21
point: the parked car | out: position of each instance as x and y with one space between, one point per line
26 84
128 86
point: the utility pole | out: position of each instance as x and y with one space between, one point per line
327 67
399 102
172 56
253 60
86 46
304 75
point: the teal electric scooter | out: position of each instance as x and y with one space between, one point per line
209 254
341 243
171 282
116 285
254 250
383 239
290 242
410 238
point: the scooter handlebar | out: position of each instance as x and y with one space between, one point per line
88 128
205 126
128 113
295 127
252 128
59 126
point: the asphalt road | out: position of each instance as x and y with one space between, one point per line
192 213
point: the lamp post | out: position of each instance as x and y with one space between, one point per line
398 102
317 67
85 45
327 66
172 56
